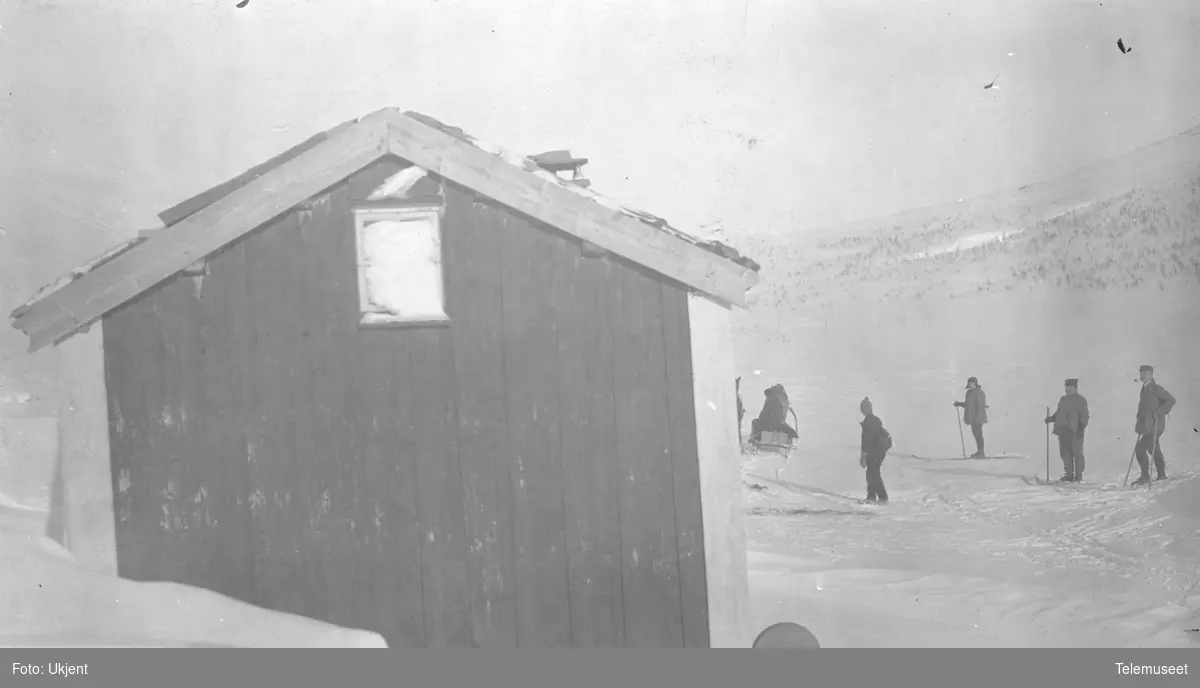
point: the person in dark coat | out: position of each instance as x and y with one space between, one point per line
773 417
873 452
975 414
1070 420
1153 406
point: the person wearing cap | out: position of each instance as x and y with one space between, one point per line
975 413
1070 420
1153 406
875 445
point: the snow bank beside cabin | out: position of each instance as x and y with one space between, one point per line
47 599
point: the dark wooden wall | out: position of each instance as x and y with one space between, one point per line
524 477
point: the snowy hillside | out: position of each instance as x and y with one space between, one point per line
1118 224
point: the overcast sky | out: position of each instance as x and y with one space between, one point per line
767 115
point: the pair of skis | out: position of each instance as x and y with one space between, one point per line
1065 483
997 457
1038 480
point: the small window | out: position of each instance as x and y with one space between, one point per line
399 266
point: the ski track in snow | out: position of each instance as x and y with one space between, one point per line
1003 553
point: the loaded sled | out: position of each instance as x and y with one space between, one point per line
770 432
772 442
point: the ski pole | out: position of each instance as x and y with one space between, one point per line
958 422
1127 470
1047 445
1154 450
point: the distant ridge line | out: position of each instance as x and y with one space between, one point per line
1011 196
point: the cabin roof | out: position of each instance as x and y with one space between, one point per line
203 224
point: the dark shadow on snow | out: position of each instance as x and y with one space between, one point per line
1008 457
970 471
802 511
803 489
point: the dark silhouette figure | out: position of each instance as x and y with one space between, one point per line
1122 48
876 441
1153 406
1070 420
773 417
975 414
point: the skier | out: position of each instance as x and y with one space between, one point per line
1070 420
975 413
876 441
773 417
1153 406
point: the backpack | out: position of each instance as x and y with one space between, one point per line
885 440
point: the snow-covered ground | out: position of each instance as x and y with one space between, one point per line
968 554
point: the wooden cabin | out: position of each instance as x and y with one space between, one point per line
401 380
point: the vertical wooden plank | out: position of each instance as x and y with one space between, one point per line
588 450
86 469
176 312
443 555
597 286
283 576
720 478
472 239
135 358
336 281
530 356
223 466
653 616
318 468
685 468
389 470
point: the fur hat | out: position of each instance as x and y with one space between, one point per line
1146 369
972 379
1071 382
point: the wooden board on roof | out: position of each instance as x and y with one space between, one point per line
200 201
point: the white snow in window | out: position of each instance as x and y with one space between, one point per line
402 268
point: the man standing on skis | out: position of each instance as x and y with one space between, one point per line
975 413
1070 420
1153 406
